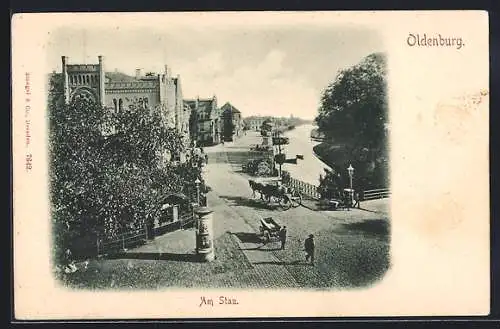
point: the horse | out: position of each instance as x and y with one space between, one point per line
270 190
256 187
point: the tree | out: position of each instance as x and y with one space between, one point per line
228 128
353 113
105 183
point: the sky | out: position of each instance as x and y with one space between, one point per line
278 70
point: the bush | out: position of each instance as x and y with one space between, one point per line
260 167
263 169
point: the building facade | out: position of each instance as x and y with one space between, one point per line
205 123
154 91
232 124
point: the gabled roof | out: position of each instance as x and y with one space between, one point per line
205 104
229 107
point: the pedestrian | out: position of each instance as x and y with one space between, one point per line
356 200
309 248
206 158
282 235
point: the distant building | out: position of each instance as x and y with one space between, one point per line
205 123
232 124
254 123
119 91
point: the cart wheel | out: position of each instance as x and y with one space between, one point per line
285 202
266 236
296 201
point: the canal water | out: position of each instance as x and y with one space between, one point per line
309 169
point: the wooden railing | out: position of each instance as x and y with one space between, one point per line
376 194
311 190
304 188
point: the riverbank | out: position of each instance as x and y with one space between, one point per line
333 155
371 174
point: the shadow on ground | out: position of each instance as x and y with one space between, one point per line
156 256
246 237
284 263
370 227
249 202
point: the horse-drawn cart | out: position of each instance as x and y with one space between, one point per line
269 228
274 191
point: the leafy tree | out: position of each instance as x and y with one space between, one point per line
228 128
109 171
353 113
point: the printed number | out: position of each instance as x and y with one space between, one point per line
28 161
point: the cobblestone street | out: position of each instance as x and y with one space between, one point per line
352 247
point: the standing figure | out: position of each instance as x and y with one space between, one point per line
282 235
356 200
206 158
309 248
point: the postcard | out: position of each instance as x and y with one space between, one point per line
250 164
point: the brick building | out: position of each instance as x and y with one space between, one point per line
153 91
232 124
205 123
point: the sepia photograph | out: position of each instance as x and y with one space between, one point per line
234 164
257 158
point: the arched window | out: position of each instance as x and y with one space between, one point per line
87 78
145 102
120 105
79 79
115 104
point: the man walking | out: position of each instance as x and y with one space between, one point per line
282 235
309 248
356 200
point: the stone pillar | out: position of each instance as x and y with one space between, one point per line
102 80
204 234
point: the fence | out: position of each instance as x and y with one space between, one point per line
376 194
140 236
122 241
312 191
184 221
305 188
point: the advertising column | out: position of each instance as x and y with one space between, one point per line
204 234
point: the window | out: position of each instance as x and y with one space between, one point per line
120 105
115 104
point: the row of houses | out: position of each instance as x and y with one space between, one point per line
200 120
255 123
211 124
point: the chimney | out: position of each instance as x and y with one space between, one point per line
167 72
137 74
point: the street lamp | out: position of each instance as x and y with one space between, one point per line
197 182
350 170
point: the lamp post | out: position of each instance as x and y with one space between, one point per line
197 182
350 170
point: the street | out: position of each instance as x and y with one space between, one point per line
352 247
